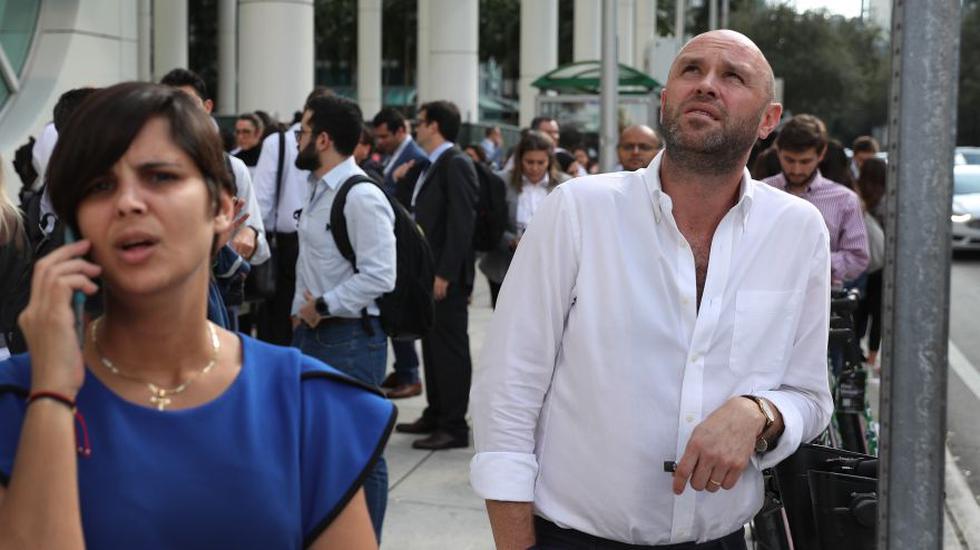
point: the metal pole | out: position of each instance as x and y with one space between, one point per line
712 15
227 57
608 89
680 14
925 58
724 13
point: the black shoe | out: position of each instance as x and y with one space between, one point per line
440 440
420 426
391 381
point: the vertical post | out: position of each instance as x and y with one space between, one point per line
625 17
587 33
925 58
454 66
170 41
712 15
680 16
369 56
227 57
423 53
144 46
644 34
539 50
608 89
725 13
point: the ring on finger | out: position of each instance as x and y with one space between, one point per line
714 483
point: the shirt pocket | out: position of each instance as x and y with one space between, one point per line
763 329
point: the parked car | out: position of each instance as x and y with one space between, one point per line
966 207
967 155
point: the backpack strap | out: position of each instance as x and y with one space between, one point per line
341 237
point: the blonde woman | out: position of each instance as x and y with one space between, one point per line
14 266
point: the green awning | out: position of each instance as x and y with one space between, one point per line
582 77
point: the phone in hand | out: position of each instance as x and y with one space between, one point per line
77 299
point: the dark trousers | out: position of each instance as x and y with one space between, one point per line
406 361
868 314
347 347
552 537
494 292
274 324
446 352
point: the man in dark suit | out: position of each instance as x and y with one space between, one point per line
443 199
392 139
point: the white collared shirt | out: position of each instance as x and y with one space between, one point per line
530 198
433 157
595 376
294 183
322 269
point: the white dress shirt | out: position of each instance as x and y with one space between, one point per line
243 183
530 198
321 268
43 147
294 183
597 374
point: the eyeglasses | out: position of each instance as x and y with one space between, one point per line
644 147
299 133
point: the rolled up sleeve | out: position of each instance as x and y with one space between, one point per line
519 353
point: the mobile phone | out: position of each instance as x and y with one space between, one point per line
77 300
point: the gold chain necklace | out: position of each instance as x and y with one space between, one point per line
159 396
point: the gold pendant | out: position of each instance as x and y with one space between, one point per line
160 399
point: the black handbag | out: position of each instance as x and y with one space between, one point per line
261 281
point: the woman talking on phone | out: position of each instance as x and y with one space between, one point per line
162 430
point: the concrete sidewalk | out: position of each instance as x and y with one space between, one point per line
432 507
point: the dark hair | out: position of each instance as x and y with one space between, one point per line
766 164
24 165
533 141
480 153
865 144
105 126
490 130
565 159
254 119
367 136
801 133
391 118
536 121
339 117
446 115
185 77
317 91
67 105
835 165
871 182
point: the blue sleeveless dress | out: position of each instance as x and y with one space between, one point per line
267 464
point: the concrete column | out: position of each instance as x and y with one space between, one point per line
144 45
587 31
625 15
712 15
725 11
279 49
227 94
680 18
454 71
369 56
423 53
169 36
539 50
645 32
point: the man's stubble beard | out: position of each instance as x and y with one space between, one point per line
720 152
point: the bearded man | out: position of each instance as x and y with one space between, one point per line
677 345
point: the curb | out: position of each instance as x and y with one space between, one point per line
962 505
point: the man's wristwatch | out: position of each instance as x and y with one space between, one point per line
322 309
766 441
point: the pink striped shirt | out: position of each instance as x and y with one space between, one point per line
841 209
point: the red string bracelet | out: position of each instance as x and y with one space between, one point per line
85 449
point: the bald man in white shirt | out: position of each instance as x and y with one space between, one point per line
683 318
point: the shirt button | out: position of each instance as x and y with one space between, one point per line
690 419
695 357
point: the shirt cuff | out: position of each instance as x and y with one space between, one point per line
504 476
792 435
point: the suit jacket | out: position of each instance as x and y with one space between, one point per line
494 263
445 208
412 151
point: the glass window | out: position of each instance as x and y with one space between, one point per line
4 92
965 183
18 18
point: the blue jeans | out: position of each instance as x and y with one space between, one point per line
347 347
406 361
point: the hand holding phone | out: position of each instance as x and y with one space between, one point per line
50 323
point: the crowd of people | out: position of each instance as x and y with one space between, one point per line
209 322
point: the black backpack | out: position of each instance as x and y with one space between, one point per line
407 311
491 209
